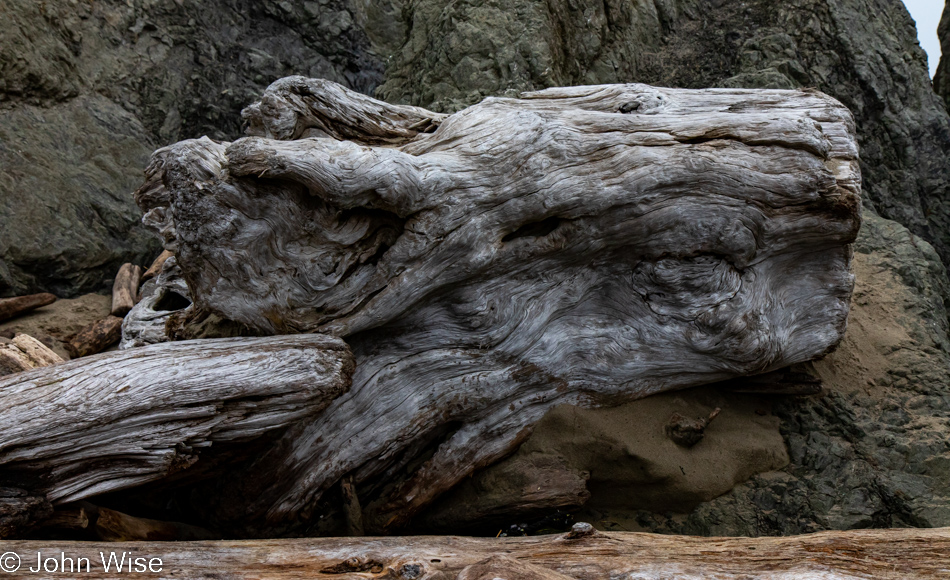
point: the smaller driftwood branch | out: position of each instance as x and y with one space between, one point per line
125 289
879 554
11 307
121 419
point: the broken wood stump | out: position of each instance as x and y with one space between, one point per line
23 353
125 289
95 337
585 245
10 307
904 554
118 420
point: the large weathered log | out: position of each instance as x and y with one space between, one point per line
121 419
10 307
586 245
916 554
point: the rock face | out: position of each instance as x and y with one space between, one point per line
89 89
942 78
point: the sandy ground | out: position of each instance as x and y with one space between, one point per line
54 324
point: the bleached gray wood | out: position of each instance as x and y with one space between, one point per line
585 245
120 419
145 323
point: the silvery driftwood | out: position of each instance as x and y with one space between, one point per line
586 245
117 420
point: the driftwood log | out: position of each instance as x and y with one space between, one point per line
11 307
125 289
121 419
918 554
24 353
95 337
585 245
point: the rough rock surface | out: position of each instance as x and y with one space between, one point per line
89 89
862 52
942 77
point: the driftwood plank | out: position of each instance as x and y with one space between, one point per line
10 307
116 420
585 245
918 554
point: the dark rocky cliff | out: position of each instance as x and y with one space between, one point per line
89 89
942 78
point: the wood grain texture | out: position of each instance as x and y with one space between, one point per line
156 266
125 289
914 554
121 419
162 296
585 245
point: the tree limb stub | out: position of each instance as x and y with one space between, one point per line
913 554
585 245
117 420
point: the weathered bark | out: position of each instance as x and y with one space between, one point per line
96 337
121 419
914 554
10 307
125 289
24 353
588 245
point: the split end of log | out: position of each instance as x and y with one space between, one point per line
24 353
